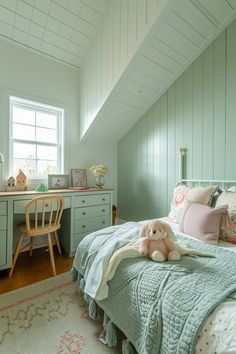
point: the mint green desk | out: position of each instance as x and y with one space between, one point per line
84 212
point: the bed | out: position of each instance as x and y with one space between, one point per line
177 307
215 334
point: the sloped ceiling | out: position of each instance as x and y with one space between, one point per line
176 39
60 29
65 29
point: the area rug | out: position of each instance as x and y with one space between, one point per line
48 317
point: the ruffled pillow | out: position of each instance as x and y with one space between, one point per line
228 232
182 193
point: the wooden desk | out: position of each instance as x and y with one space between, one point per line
84 212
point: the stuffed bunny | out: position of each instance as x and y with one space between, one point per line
157 242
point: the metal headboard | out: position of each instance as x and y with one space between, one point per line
220 182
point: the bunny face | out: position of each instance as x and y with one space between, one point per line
156 230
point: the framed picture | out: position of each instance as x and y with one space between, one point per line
79 177
58 181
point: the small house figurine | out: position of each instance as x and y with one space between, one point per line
11 181
21 179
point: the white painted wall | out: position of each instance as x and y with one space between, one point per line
26 74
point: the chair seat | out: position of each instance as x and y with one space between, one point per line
40 231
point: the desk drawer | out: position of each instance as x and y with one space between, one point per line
3 248
3 222
19 205
3 208
88 225
91 211
87 200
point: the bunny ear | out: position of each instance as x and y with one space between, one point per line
144 231
169 231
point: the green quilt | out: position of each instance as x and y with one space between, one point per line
161 307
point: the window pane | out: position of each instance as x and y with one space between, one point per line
46 152
46 135
46 120
24 132
21 150
28 166
45 167
22 115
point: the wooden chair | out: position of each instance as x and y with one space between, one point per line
47 212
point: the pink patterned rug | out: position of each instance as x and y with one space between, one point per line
48 317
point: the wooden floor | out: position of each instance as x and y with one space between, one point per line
29 270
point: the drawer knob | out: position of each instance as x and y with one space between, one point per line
103 210
46 205
103 199
103 222
83 213
83 226
83 201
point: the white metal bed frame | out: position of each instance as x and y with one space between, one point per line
222 183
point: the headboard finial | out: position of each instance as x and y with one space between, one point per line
181 155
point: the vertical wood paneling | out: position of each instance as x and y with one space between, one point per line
164 155
123 27
198 113
132 26
123 33
188 120
230 101
219 107
197 118
141 17
179 116
171 140
208 122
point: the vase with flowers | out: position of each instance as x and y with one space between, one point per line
99 171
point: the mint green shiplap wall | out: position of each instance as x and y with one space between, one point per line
198 112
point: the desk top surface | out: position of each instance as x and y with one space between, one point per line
68 190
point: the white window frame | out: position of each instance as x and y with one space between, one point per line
44 108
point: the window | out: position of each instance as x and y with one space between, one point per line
35 138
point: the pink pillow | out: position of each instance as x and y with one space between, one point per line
202 222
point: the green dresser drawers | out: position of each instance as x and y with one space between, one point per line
91 213
3 233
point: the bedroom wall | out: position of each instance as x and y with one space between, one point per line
125 25
197 113
26 74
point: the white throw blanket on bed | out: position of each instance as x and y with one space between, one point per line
109 257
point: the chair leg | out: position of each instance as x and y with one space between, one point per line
31 245
57 242
51 254
18 247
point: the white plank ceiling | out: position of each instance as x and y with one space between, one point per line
65 29
174 42
60 29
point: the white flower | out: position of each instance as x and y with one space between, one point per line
99 170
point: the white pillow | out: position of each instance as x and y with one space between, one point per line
182 193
